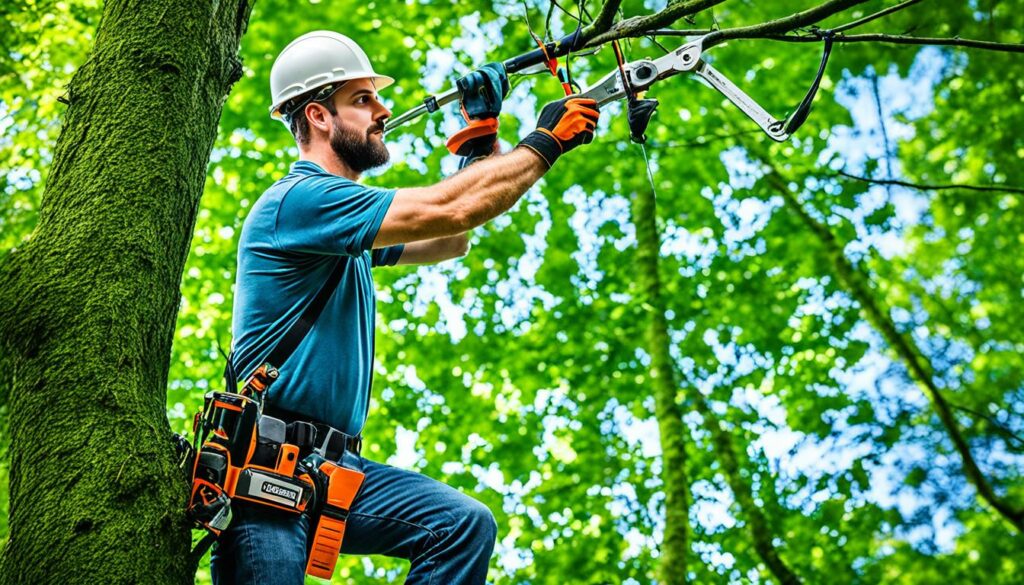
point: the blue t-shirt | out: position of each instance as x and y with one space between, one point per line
294 234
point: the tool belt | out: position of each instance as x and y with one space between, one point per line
313 434
241 453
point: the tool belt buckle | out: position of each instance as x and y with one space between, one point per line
321 450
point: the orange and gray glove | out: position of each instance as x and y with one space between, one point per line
562 126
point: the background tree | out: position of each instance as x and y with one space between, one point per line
797 362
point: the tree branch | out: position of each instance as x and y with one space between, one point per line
604 18
675 546
781 25
593 36
730 456
862 289
842 38
880 110
1000 428
926 187
776 29
902 40
644 25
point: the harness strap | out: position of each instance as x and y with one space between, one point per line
299 329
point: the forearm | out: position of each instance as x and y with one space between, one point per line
435 250
491 186
461 202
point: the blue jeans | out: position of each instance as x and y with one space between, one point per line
448 536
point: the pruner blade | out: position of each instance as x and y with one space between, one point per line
644 73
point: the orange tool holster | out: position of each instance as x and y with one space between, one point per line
342 485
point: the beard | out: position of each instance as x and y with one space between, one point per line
359 150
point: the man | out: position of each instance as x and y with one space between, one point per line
324 87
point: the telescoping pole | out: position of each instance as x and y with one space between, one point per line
432 103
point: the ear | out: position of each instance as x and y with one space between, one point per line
318 117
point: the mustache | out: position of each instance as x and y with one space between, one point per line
378 127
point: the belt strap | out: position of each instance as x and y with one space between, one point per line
312 435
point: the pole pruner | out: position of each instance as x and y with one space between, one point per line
631 79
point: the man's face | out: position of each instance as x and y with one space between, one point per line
357 132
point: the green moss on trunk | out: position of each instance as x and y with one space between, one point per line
89 304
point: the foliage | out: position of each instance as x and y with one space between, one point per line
521 374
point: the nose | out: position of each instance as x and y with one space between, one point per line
382 112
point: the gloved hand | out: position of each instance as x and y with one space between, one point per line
562 126
482 93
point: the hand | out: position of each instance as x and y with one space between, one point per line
483 91
562 126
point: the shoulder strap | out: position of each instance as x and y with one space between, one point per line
297 332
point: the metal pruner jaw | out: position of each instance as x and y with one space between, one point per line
681 60
607 89
642 74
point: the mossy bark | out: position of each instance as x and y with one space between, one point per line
675 544
88 305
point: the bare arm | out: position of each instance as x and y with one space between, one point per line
461 202
436 250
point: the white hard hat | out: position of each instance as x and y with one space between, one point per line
316 59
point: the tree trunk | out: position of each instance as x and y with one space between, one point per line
737 469
675 545
88 306
860 287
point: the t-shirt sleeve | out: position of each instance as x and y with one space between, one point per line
331 215
388 256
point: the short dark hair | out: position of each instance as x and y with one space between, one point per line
296 108
299 124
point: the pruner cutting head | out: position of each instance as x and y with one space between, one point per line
643 73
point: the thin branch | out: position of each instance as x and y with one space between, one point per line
1000 428
880 109
874 16
926 187
577 17
668 32
781 25
604 18
903 40
842 38
953 42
